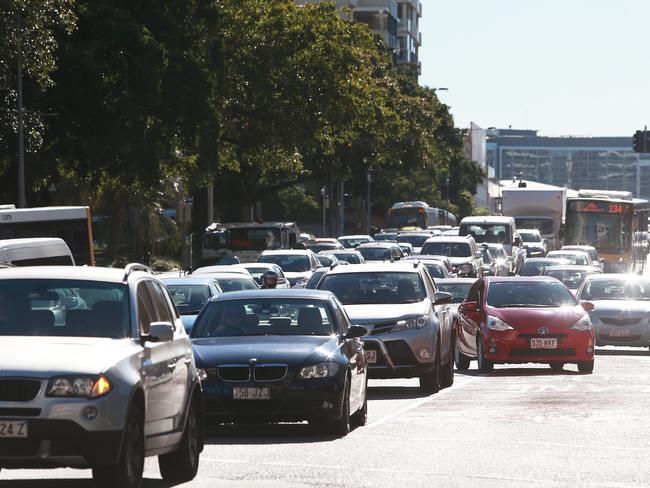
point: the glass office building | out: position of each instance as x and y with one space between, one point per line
601 163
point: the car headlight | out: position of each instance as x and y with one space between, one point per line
583 324
79 386
465 268
322 370
494 323
412 323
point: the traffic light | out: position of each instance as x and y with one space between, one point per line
641 141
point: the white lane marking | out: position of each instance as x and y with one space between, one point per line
419 403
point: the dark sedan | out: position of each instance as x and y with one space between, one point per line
281 355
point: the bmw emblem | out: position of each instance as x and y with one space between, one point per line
543 330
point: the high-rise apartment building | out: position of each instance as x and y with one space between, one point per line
397 22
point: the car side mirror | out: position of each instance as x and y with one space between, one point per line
442 298
159 332
356 331
588 306
466 307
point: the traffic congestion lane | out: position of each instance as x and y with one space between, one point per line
520 426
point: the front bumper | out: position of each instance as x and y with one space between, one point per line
59 443
290 401
401 355
634 335
515 347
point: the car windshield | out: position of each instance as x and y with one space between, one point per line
544 226
257 273
616 289
290 263
385 236
571 279
458 290
322 246
237 284
452 249
414 240
349 257
254 238
536 268
352 242
529 294
576 259
495 233
66 308
436 270
325 260
189 299
375 253
264 316
376 287
530 237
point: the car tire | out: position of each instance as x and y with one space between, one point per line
484 365
556 366
183 464
462 361
360 417
586 367
430 382
127 473
341 427
447 373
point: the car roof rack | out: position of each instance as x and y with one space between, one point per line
131 267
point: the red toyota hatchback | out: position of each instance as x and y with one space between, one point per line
523 320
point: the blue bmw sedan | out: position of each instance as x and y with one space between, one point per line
281 355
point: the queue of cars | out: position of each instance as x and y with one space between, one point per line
115 365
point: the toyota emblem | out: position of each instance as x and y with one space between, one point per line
543 330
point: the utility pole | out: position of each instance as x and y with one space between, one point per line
21 129
448 220
323 193
369 201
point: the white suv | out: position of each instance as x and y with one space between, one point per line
96 372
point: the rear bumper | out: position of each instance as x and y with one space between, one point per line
60 443
511 347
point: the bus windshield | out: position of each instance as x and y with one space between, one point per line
407 218
609 232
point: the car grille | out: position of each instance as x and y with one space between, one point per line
19 447
18 390
549 336
383 328
20 412
630 338
543 352
400 353
234 373
270 372
620 322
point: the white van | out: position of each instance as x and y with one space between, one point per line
37 251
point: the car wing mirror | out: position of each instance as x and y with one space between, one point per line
588 306
442 298
356 331
159 332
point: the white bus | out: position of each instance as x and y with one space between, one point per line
72 224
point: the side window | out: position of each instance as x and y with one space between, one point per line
341 317
429 282
474 293
145 308
171 305
161 308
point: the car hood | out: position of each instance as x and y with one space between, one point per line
48 356
530 319
612 308
211 351
368 315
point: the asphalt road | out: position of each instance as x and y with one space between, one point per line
518 427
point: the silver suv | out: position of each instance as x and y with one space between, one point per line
96 372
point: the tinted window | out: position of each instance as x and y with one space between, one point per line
323 246
495 233
458 290
530 237
379 287
237 284
571 279
375 253
290 263
49 261
535 268
616 289
452 249
268 316
64 308
258 238
522 294
414 240
351 243
189 299
436 270
325 260
545 226
349 257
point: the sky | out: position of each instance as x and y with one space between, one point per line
563 67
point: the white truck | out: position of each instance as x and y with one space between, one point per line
537 208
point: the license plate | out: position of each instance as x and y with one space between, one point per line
371 357
619 332
550 343
251 393
13 429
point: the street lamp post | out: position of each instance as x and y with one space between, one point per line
323 193
21 130
448 219
369 200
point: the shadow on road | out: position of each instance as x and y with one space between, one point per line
505 372
395 393
256 434
622 352
72 483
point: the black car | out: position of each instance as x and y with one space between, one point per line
281 355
